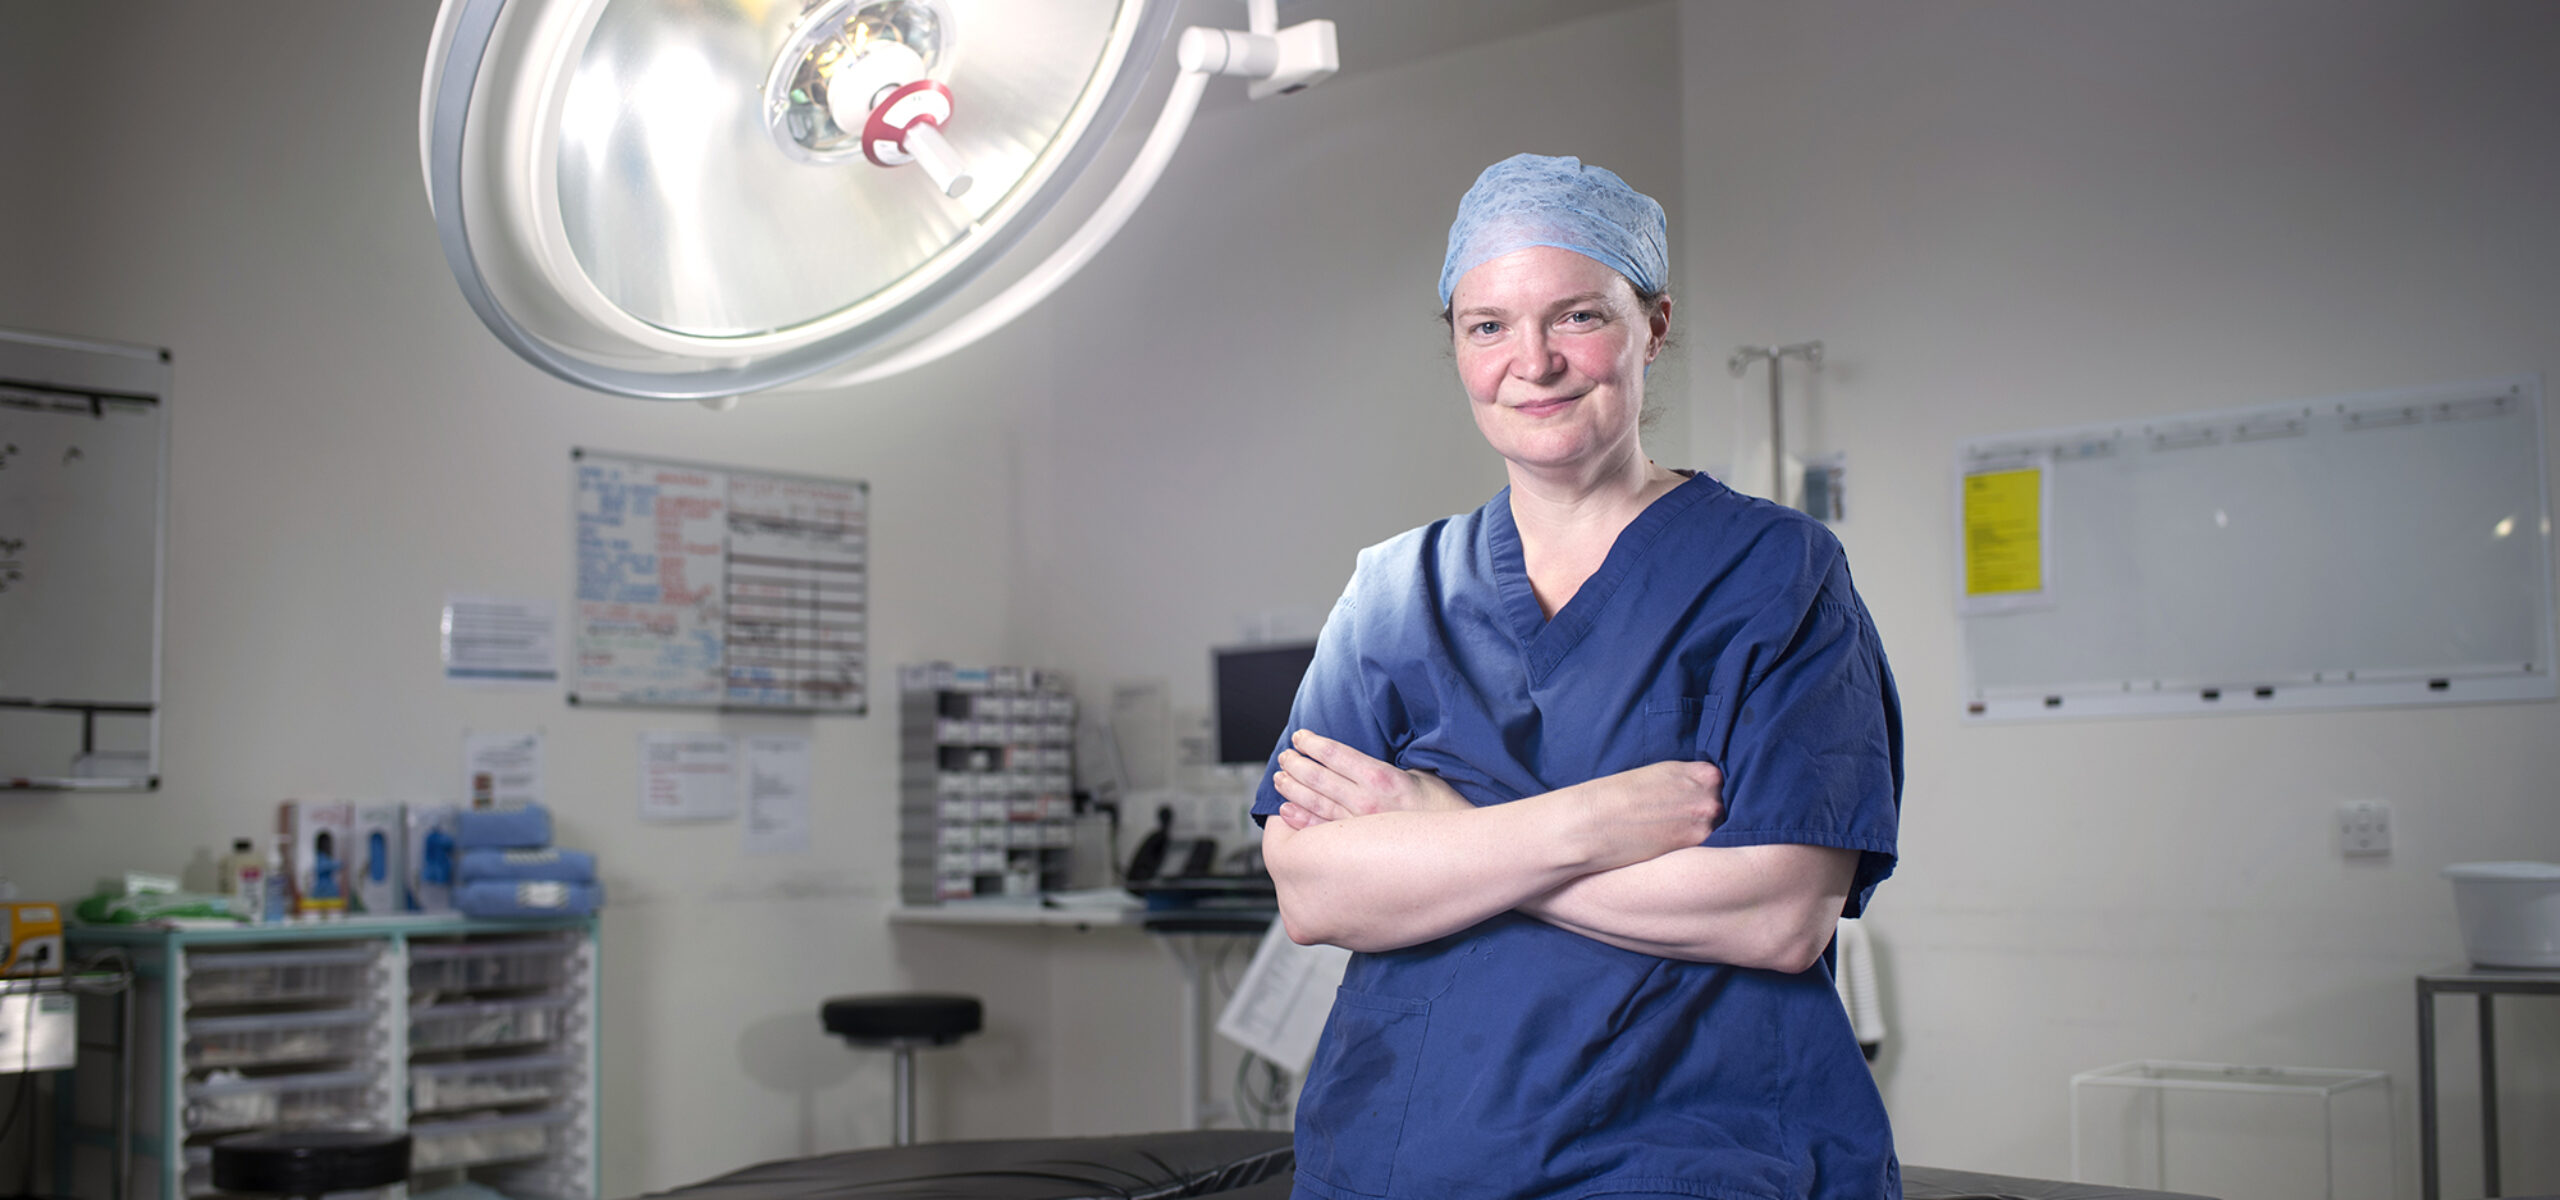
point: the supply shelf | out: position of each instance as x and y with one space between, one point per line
500 964
488 1082
254 977
490 1024
280 1038
484 1140
477 1036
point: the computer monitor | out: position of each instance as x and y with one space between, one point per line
1255 685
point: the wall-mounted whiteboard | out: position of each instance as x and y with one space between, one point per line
2390 548
83 458
719 586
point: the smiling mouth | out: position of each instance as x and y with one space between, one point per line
1540 408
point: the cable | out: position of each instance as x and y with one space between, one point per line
1269 1101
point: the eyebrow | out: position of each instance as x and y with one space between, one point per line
1576 300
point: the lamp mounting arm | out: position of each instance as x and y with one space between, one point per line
1291 60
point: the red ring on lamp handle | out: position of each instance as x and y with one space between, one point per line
884 135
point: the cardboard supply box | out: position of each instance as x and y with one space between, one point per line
381 869
431 856
34 933
325 855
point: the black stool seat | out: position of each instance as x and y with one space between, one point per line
308 1162
904 1016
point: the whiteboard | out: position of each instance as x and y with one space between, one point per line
82 464
2388 548
719 586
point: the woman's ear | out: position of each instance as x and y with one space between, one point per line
1658 327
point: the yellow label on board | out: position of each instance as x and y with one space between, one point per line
2004 532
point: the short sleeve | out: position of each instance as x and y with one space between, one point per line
1813 742
1332 698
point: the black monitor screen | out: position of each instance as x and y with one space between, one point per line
1255 686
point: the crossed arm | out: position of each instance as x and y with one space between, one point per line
1373 857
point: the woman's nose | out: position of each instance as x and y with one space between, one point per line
1537 358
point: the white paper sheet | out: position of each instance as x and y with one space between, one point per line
492 640
1279 1008
507 766
687 777
775 784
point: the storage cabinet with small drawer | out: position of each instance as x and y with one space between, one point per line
476 1036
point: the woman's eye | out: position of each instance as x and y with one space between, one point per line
1581 317
1485 328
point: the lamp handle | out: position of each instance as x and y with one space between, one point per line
1079 249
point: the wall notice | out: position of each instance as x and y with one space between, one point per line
2004 533
721 587
687 777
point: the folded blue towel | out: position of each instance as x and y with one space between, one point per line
528 898
529 826
555 864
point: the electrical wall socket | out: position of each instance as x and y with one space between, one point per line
2364 829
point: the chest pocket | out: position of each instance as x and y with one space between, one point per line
1676 728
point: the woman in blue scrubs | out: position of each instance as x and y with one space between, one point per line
1586 778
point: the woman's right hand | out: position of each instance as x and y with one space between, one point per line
1324 780
1652 810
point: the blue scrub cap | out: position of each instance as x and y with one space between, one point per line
1529 200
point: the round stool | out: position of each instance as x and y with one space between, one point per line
310 1162
902 1021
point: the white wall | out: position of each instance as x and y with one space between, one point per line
1999 216
1255 383
1094 488
2004 216
349 443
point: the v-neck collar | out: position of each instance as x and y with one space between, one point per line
1546 640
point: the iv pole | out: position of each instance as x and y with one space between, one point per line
1740 364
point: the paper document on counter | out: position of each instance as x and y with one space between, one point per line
1279 1009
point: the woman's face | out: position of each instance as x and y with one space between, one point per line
1552 348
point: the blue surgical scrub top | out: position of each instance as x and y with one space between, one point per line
1515 1059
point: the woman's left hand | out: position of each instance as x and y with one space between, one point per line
1324 780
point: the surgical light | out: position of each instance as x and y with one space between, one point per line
697 199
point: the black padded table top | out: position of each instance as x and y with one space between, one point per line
1228 1164
1933 1183
1145 1166
1918 1183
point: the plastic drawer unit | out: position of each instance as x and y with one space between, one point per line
228 1102
280 976
488 1024
488 965
474 1141
279 1038
488 1082
478 1033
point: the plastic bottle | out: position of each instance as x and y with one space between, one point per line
279 885
244 879
241 859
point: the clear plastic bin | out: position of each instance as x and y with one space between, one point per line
488 965
259 977
322 1098
439 1145
487 1082
482 1024
265 1039
2221 1129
